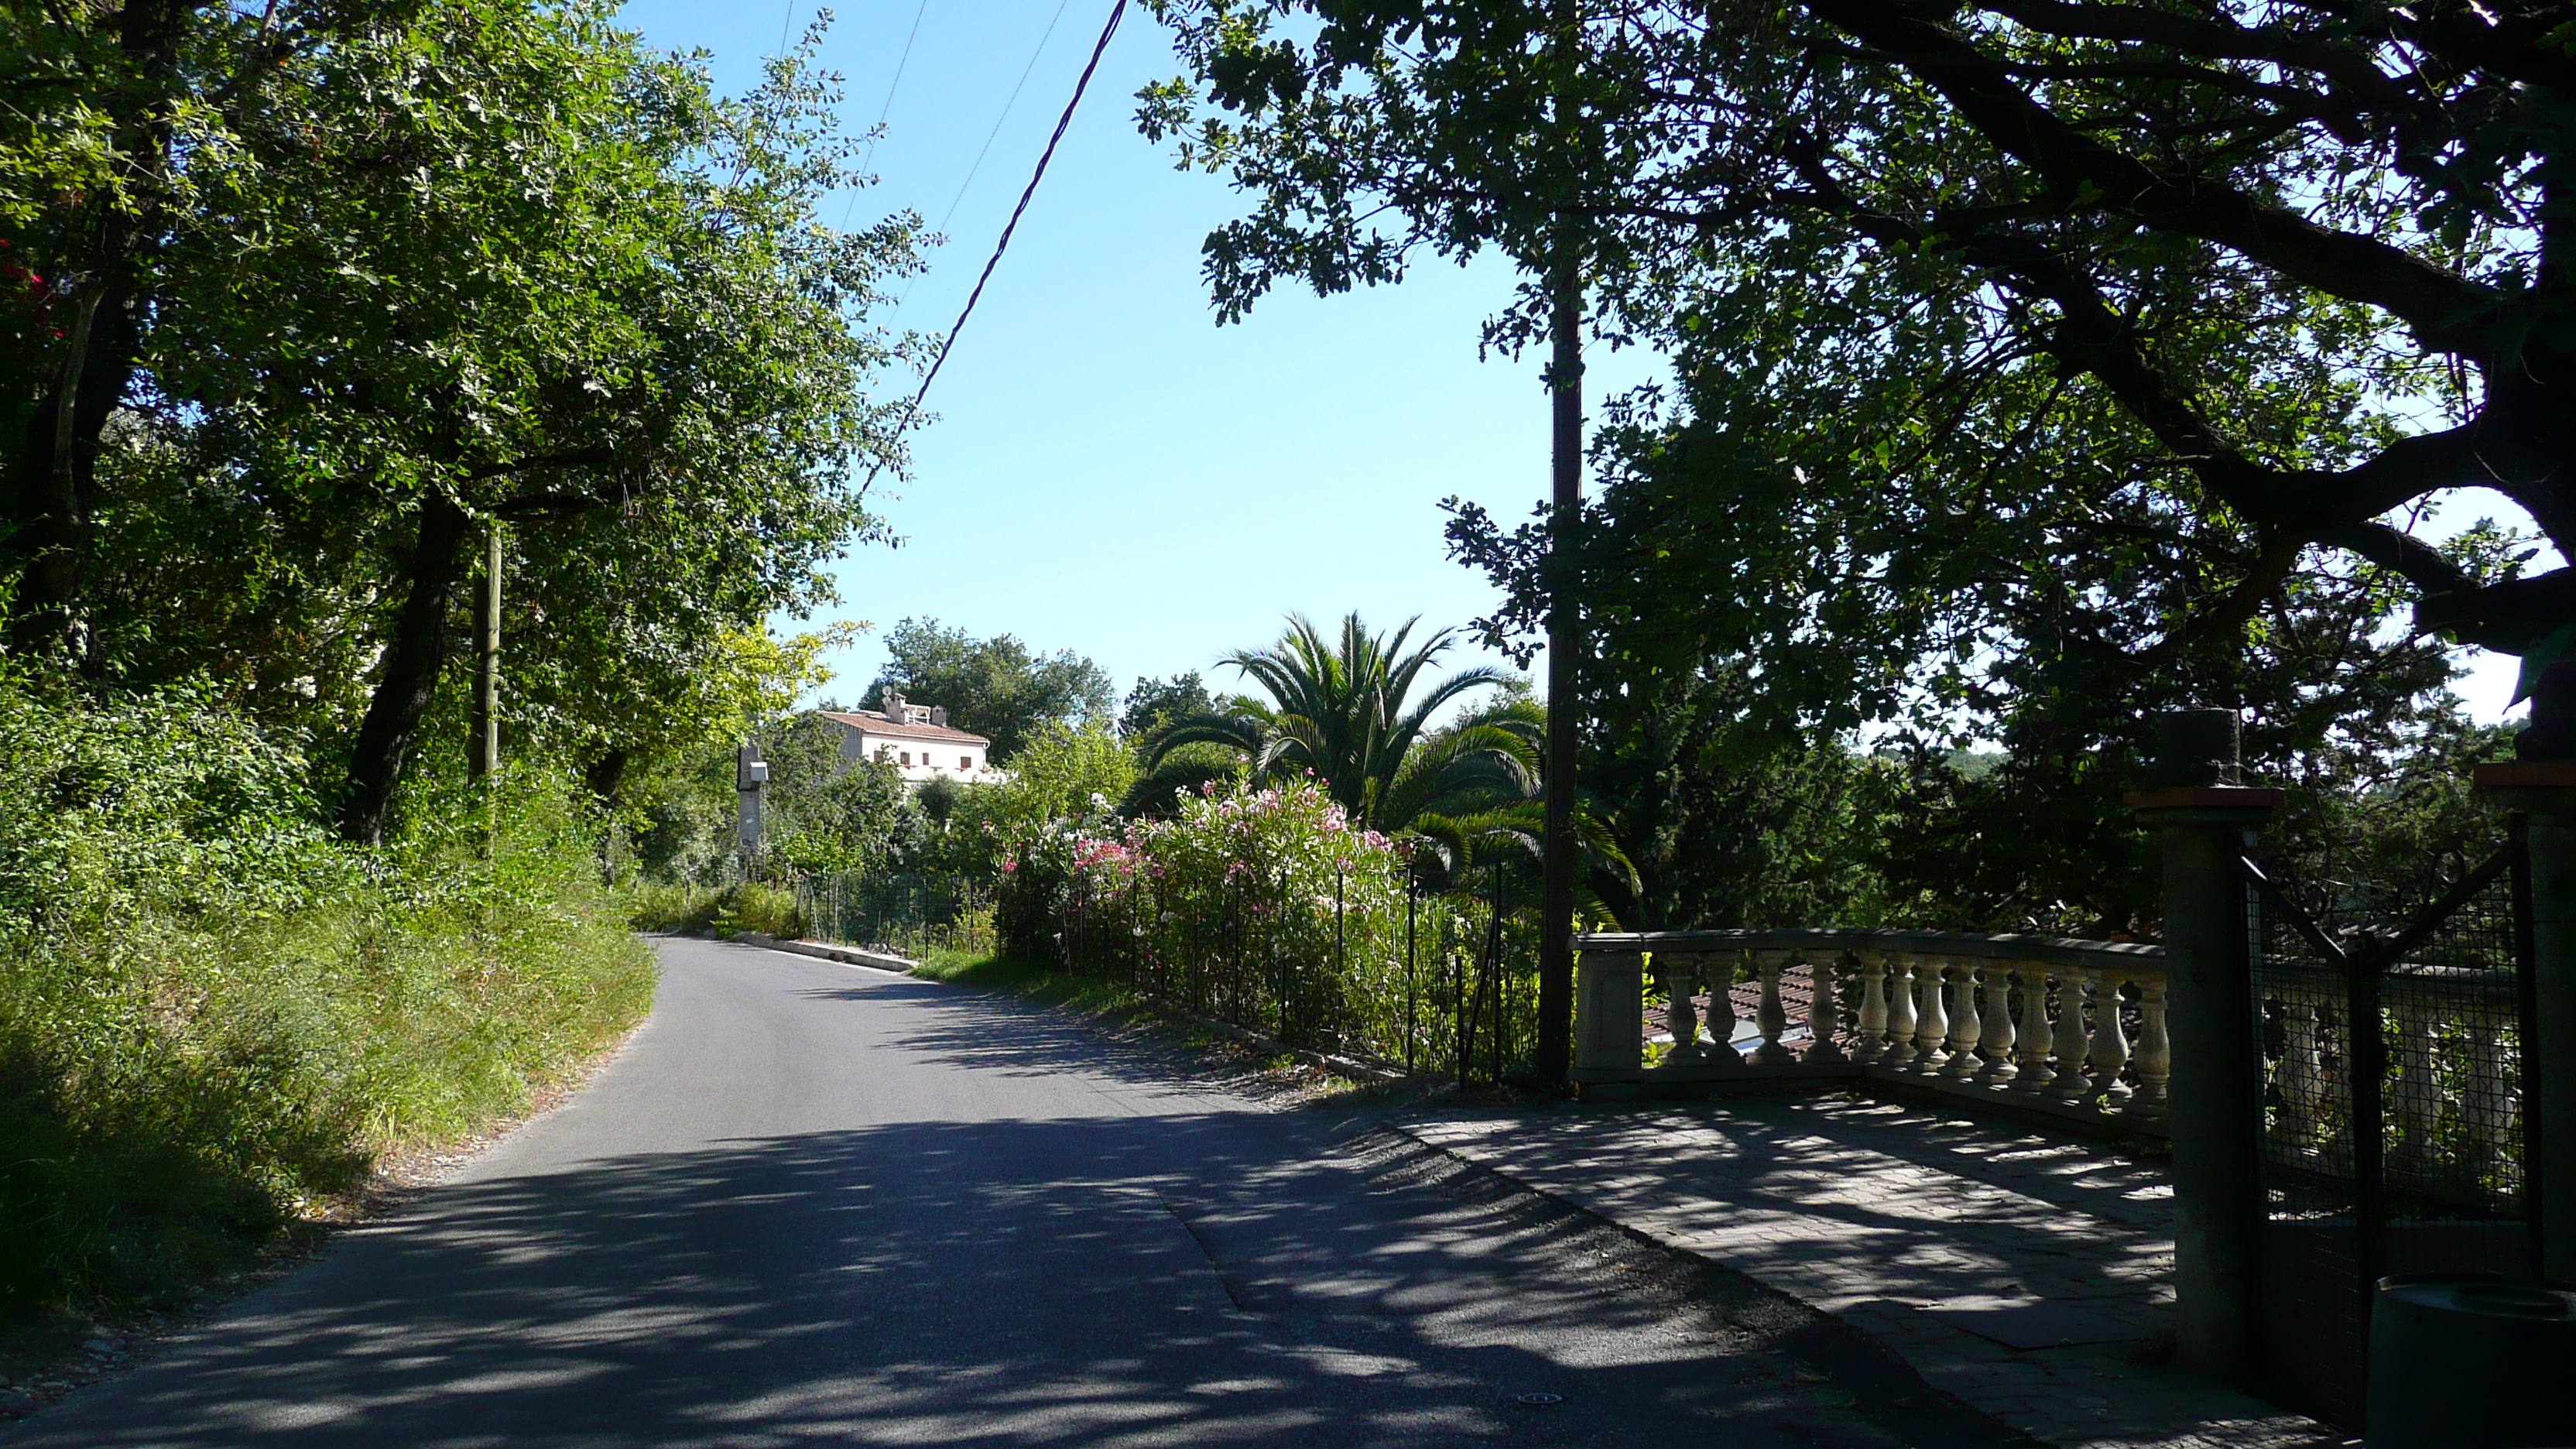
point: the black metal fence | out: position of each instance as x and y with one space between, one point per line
1450 988
900 912
2394 1132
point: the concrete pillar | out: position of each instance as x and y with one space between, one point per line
751 775
2545 791
2201 816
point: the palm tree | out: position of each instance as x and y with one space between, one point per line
1348 714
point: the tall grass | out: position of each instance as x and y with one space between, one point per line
212 1015
715 910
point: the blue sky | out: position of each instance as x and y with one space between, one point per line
1111 472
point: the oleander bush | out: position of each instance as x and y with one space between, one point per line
1267 907
214 1016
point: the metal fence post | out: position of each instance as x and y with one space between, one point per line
2201 815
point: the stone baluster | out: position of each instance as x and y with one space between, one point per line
2154 1060
2110 1050
1870 1041
1721 1011
1996 1043
2418 1098
1681 1018
2072 1036
2299 1076
2487 1111
2034 1074
1899 1051
1967 1024
1824 1010
1932 1032
1771 1015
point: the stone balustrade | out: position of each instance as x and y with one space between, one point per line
2067 1028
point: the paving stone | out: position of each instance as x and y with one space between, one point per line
1871 1210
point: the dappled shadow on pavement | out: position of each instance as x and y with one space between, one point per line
1172 1279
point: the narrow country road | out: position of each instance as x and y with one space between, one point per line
813 1203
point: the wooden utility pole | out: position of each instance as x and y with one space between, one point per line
1564 648
483 750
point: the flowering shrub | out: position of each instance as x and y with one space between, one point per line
1264 906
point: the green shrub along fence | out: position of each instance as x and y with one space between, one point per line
903 913
211 1014
1264 908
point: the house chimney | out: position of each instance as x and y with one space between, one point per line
939 715
891 702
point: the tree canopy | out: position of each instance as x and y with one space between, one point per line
2190 303
310 298
996 687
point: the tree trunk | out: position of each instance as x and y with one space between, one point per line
413 659
53 466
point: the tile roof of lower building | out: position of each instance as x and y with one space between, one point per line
877 724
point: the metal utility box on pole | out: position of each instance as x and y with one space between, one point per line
1564 646
2201 815
751 773
483 749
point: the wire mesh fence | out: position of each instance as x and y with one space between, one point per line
2392 1025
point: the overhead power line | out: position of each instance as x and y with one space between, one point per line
1063 122
991 135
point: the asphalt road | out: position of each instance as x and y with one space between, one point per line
812 1203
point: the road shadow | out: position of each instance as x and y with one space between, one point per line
1125 1281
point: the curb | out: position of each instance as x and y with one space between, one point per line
846 955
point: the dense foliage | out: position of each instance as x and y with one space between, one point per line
1272 908
2036 369
212 1012
329 292
302 307
993 687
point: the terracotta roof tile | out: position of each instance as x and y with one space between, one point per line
877 724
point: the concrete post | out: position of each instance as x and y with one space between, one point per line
2201 815
2545 791
751 772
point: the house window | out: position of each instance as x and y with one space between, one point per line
907 757
965 762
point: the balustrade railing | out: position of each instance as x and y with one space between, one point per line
2070 1028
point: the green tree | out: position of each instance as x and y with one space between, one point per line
468 264
1154 703
1062 773
1347 712
995 687
2288 257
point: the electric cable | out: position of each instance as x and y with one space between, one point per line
878 130
1063 123
993 134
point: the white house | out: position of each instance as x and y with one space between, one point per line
916 740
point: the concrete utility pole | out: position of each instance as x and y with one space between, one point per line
1564 647
483 749
751 772
2201 814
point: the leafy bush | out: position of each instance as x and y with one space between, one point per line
1268 907
211 1014
725 911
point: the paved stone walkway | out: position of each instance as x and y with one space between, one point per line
1877 1213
